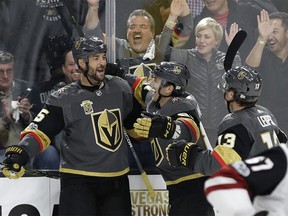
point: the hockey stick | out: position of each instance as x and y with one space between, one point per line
35 172
205 137
233 48
142 171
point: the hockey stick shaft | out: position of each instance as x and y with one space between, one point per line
142 171
205 137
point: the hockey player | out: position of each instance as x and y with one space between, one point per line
246 131
256 186
63 71
173 114
142 46
94 162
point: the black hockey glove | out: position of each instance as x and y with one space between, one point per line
182 153
114 70
16 158
154 126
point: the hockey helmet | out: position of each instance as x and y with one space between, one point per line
246 81
57 48
173 72
86 46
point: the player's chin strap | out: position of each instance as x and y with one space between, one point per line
228 106
160 96
85 73
228 103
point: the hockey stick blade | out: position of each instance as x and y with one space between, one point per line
39 173
233 48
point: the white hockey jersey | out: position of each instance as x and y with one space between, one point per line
256 186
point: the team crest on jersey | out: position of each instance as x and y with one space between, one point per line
108 129
142 70
87 106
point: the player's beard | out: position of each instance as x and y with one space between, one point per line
97 75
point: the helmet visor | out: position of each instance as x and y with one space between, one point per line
223 85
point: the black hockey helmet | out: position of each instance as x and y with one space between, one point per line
57 48
246 82
86 46
173 72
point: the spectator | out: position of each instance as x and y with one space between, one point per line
260 4
141 43
70 68
227 12
58 48
159 10
63 71
196 6
248 130
173 114
281 5
94 162
14 106
269 55
256 186
34 21
205 63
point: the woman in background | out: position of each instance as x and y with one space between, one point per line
205 63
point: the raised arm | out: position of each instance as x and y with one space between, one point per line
92 23
234 28
92 18
178 27
265 28
184 27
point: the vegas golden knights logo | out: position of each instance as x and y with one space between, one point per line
142 70
108 129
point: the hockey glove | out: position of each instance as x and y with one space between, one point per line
16 158
114 70
154 126
182 153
